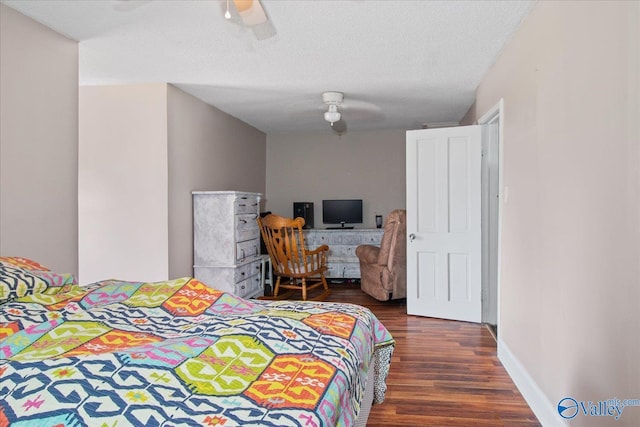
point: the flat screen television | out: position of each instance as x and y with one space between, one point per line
344 211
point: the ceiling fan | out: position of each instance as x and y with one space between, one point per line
332 99
333 115
250 11
249 14
357 110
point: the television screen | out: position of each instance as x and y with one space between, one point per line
342 211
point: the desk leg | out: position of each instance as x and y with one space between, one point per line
265 269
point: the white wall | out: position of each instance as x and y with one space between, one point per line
570 278
123 180
310 167
38 143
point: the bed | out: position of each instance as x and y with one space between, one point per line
180 352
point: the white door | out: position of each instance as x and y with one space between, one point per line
443 223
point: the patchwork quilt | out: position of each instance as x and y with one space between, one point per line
182 353
21 276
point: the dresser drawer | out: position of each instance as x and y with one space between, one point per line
372 238
246 204
246 221
247 249
217 277
247 227
338 269
342 251
317 238
334 270
248 286
353 239
351 269
247 270
243 234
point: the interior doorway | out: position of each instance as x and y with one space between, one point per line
491 215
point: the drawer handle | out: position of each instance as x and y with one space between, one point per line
244 221
242 252
243 273
242 287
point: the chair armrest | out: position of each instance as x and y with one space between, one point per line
322 248
317 258
368 253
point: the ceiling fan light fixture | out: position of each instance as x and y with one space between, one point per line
333 115
251 12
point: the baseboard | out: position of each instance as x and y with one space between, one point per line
542 407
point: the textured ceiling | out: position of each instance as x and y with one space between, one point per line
399 63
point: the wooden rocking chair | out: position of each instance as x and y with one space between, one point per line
296 267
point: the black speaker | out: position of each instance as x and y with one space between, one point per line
305 210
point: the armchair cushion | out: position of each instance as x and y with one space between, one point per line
368 253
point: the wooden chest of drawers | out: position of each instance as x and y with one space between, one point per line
226 241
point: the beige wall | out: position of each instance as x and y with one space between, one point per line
310 167
570 277
208 150
143 150
123 175
38 143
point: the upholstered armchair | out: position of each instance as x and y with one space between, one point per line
383 270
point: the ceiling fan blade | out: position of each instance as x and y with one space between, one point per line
251 12
127 5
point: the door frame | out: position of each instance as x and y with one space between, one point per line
496 113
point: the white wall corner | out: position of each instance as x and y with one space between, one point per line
542 407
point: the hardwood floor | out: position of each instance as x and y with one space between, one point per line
443 373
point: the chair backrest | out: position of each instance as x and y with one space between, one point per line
285 243
393 246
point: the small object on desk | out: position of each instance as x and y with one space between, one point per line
378 221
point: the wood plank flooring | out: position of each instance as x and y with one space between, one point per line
443 373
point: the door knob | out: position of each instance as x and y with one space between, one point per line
412 237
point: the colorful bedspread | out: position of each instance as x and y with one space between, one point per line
181 353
